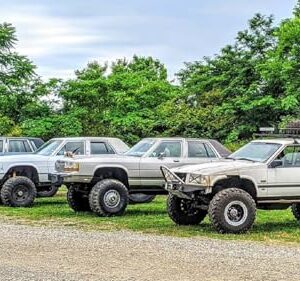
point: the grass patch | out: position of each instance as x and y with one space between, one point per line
270 226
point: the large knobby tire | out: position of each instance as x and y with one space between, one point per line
109 197
48 191
77 200
140 198
296 211
182 212
232 210
18 192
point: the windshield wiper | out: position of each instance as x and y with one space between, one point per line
228 157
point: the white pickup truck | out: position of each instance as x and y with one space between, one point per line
23 177
264 174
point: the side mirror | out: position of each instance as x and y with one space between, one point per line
161 155
276 163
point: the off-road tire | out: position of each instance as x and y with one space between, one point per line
77 200
296 211
222 200
10 196
99 198
49 192
140 198
175 210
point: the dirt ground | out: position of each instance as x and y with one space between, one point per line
44 253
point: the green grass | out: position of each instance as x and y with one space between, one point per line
270 226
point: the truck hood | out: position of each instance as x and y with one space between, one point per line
222 166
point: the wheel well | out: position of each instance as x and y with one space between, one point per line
110 173
25 171
236 182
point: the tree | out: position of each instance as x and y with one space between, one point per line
19 85
118 101
235 75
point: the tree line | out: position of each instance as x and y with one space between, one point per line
253 82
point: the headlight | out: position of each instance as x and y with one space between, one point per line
199 179
71 167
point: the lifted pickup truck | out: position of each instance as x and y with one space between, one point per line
23 177
102 184
264 174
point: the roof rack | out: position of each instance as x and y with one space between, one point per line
288 132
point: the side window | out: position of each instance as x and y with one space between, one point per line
33 144
168 148
18 146
100 148
210 152
1 146
290 156
76 147
27 146
196 149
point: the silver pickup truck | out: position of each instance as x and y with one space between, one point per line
102 184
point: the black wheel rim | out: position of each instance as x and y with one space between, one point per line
20 193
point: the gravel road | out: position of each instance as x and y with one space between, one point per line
43 253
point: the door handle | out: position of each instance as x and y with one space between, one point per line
176 161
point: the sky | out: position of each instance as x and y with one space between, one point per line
62 36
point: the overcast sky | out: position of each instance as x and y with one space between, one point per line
61 36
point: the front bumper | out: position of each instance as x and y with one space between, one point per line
71 177
177 186
58 178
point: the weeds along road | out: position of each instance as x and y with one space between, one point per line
43 253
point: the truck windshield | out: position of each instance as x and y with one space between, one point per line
140 148
49 147
256 151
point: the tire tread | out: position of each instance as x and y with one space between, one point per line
215 209
6 191
96 204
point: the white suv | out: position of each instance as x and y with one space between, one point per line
263 174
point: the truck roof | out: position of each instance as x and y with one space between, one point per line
85 138
220 148
279 141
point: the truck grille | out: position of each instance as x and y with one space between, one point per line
182 176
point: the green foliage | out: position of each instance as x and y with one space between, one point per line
122 102
6 125
60 125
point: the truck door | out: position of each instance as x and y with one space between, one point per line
168 153
284 180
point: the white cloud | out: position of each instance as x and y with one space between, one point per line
64 35
46 38
41 35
